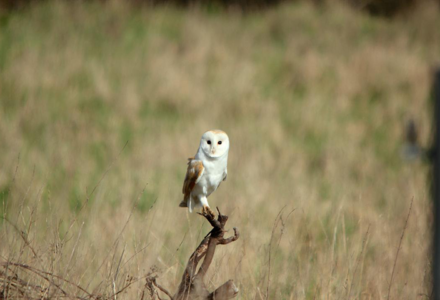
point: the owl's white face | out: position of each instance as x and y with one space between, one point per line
214 143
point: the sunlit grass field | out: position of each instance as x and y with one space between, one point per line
101 104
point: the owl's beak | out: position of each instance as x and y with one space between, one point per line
213 150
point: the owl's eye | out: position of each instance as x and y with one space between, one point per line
219 142
209 142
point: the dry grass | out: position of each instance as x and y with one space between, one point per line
314 102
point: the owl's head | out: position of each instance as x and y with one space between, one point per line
214 143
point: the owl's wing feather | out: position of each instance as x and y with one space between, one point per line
193 174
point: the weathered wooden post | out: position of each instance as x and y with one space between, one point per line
192 286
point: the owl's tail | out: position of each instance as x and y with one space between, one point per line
185 202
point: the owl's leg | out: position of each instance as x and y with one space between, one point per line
206 209
204 201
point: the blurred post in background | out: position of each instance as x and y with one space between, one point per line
436 188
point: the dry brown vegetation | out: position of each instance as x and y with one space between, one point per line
313 99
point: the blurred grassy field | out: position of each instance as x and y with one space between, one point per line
314 100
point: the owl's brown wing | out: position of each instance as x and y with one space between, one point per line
193 174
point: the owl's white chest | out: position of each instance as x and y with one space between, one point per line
213 175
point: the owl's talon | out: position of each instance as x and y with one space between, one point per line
209 212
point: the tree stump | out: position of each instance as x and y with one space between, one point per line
192 285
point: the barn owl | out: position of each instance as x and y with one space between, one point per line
206 170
